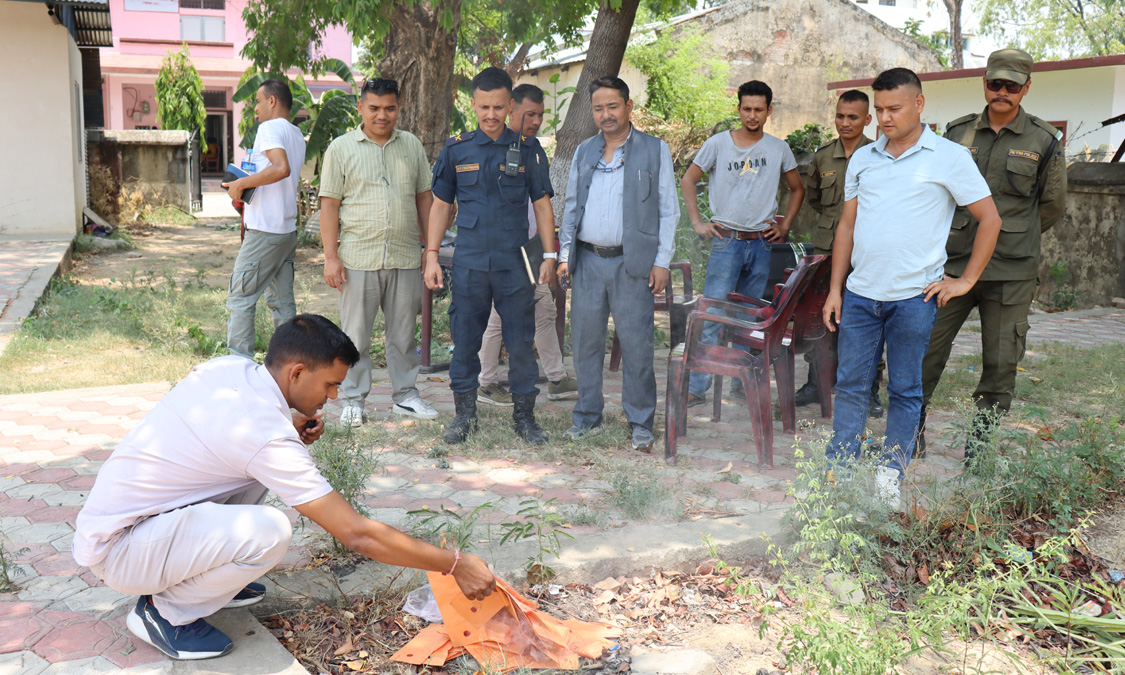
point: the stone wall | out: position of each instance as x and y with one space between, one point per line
149 168
1090 240
798 47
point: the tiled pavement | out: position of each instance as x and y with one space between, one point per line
61 619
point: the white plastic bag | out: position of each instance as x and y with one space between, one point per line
421 603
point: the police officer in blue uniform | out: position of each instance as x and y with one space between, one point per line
491 173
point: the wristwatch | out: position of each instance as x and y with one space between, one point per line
551 256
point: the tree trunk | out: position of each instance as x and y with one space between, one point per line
419 54
604 56
517 64
956 41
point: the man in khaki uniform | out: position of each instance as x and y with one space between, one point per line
375 202
824 187
1022 159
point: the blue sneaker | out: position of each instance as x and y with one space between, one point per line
197 640
252 594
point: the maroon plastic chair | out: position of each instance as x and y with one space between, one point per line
771 324
673 304
807 335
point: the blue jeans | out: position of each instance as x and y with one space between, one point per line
905 325
735 265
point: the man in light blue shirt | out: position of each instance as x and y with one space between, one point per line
900 195
617 240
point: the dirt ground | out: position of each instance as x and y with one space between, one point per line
208 247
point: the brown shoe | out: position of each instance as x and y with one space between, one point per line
693 400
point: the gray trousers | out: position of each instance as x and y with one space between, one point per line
399 294
264 265
193 560
601 287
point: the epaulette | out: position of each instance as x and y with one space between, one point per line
454 140
961 120
826 144
1051 129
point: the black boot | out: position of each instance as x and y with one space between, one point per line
920 445
808 394
523 419
980 435
465 422
875 408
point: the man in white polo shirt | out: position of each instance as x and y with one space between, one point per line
265 260
900 195
176 514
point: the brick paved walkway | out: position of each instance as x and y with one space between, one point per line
61 619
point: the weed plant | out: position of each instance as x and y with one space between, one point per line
8 568
542 523
346 465
448 528
995 552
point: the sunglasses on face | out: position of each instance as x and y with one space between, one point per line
997 85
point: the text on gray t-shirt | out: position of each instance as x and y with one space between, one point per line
743 191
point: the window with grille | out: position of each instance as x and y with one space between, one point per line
214 99
203 4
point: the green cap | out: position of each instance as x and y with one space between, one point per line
1013 65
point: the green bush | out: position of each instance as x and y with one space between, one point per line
682 85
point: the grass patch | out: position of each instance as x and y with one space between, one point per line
140 330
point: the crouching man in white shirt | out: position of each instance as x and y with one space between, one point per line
176 515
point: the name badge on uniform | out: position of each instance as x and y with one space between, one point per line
826 174
1026 154
461 168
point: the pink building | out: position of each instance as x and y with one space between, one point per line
144 31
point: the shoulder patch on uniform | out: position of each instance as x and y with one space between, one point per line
1048 127
1026 154
973 150
961 120
460 137
461 168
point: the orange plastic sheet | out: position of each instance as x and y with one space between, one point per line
503 632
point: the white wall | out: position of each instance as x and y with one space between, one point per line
42 177
1081 97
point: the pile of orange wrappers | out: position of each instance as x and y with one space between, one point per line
503 632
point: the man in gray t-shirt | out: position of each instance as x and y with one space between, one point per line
745 166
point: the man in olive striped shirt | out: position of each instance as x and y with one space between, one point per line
375 204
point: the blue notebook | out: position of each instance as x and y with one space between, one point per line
232 174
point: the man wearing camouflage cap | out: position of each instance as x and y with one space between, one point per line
1022 159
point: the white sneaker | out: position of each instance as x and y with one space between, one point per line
352 416
415 407
887 487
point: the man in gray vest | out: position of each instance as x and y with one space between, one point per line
617 240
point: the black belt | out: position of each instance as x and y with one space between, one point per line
603 251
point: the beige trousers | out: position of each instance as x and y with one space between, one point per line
398 293
193 560
546 340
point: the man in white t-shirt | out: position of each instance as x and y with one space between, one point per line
745 166
900 195
265 260
177 516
